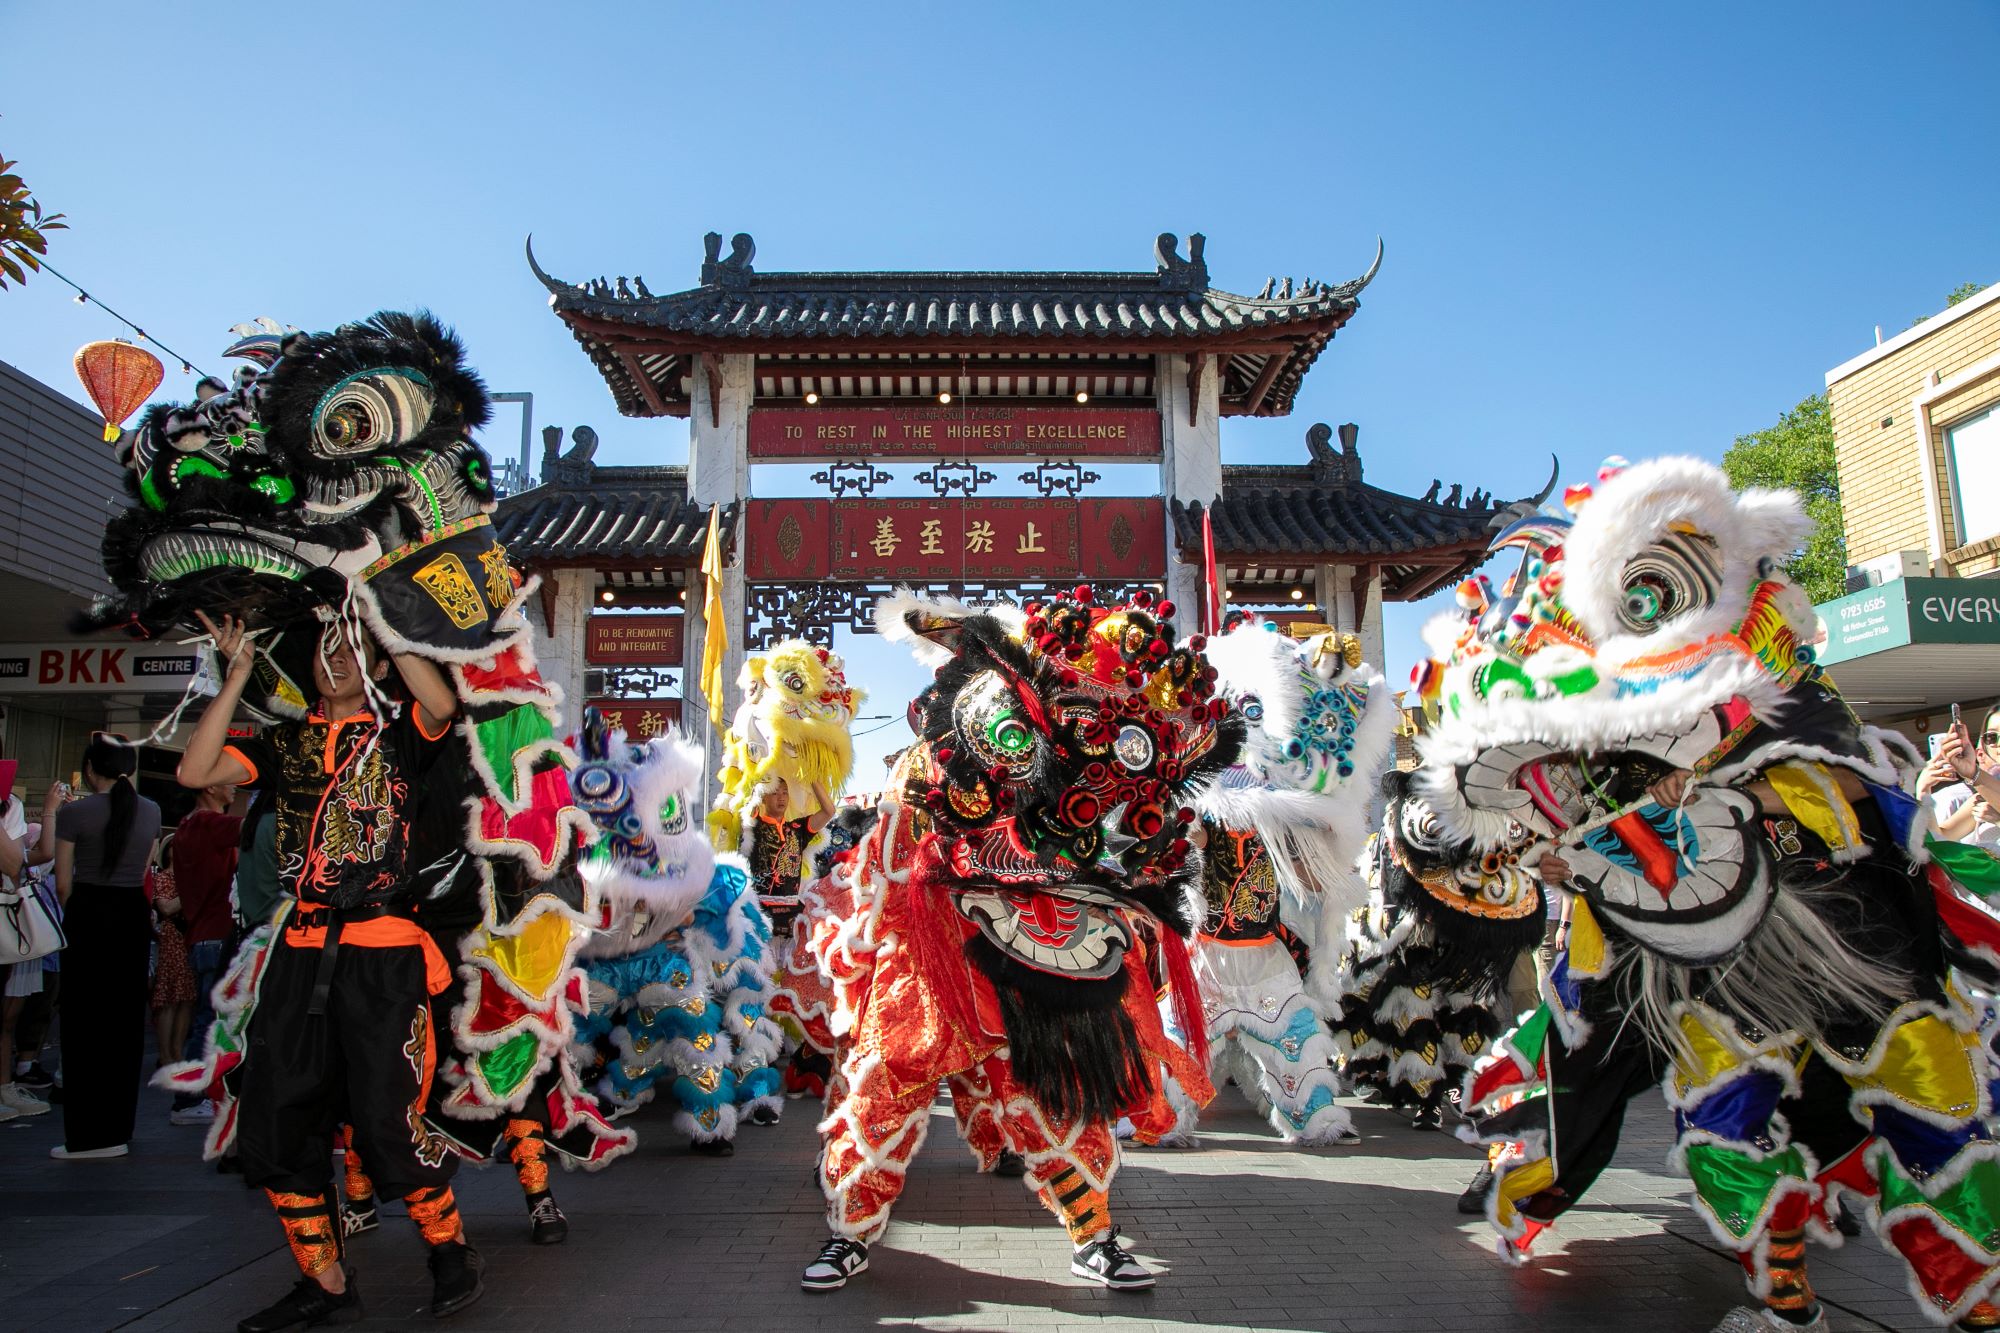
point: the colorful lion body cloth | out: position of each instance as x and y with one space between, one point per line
1757 925
335 490
680 970
1028 865
1281 827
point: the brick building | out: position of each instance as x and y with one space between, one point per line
1916 423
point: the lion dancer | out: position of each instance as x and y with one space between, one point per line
344 1025
1760 923
1029 853
786 757
1278 834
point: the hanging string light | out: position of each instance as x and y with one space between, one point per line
85 298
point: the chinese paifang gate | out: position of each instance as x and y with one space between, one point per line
1779 945
996 925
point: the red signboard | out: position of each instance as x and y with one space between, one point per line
634 640
926 540
968 430
639 719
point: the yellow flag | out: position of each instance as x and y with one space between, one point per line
715 632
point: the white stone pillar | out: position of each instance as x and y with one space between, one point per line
1333 593
1190 466
1372 650
559 654
725 389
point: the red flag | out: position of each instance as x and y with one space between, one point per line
1211 597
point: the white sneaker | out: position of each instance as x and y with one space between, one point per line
22 1102
8 1113
62 1153
201 1113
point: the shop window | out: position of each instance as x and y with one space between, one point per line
1972 447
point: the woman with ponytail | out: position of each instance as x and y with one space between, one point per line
104 843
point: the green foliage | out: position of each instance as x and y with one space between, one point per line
22 228
1797 454
1965 291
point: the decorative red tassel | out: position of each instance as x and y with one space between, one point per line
1186 995
936 942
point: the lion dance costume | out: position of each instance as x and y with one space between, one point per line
680 972
1423 988
336 486
1762 925
785 759
1282 828
1028 865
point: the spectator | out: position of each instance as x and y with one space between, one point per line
104 843
204 863
173 981
22 847
1962 781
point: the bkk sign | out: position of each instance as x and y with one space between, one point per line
925 540
1905 611
95 668
639 719
634 640
950 431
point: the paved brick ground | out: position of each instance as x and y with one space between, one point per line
1247 1234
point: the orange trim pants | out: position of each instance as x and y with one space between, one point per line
368 1061
872 1132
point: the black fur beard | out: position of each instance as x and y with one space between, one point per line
1070 1043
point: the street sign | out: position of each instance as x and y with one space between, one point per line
1904 611
628 639
95 668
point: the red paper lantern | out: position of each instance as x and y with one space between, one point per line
118 377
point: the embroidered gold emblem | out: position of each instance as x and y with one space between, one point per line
451 587
499 575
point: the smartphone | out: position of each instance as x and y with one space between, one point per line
1954 717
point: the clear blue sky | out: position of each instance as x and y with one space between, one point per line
1610 228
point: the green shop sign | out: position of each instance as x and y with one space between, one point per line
1910 611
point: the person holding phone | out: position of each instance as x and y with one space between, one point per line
23 846
1962 781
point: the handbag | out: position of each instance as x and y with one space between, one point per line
30 925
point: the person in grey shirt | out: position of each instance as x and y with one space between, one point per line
104 843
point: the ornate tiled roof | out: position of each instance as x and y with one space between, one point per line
1323 510
645 345
589 515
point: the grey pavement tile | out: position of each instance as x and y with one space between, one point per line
1247 1234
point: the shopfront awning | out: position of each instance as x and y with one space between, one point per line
1913 644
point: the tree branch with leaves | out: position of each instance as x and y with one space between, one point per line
1797 454
23 228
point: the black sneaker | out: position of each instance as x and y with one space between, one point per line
764 1115
546 1223
1473 1202
712 1147
455 1284
358 1215
37 1079
839 1259
1011 1165
307 1305
1428 1117
1106 1262
1846 1223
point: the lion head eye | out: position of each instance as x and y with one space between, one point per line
372 411
1682 572
1253 709
795 682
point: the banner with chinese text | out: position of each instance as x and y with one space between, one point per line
929 540
639 719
